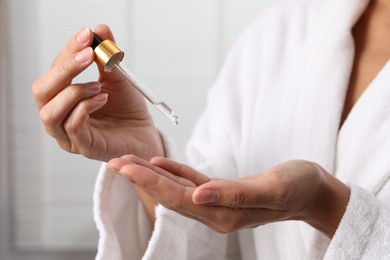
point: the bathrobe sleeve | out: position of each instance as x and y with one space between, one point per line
364 231
123 225
124 228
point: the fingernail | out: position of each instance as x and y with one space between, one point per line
111 168
205 197
101 97
83 35
93 86
83 55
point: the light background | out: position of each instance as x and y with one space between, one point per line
176 47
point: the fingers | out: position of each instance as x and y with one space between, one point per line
74 58
79 41
179 198
60 76
120 164
248 193
65 107
53 115
66 114
168 192
79 131
180 169
222 192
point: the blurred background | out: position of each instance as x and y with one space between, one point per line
175 47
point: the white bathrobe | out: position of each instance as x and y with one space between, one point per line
279 96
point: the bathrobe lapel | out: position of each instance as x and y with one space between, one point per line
323 86
366 135
317 135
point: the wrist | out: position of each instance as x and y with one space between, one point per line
153 145
144 142
328 206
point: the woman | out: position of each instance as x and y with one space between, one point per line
294 139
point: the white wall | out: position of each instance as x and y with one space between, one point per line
176 47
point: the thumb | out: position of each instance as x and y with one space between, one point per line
228 193
249 192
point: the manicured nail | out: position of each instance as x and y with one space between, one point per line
205 197
83 35
83 55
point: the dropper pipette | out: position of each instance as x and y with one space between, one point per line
108 56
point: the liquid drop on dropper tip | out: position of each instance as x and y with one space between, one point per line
168 112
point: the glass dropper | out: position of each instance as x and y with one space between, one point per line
108 56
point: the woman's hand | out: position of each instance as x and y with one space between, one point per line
100 119
295 190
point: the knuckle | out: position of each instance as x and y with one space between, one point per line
280 189
276 175
70 127
73 124
281 196
237 198
47 118
75 92
63 68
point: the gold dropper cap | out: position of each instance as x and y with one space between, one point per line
107 54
